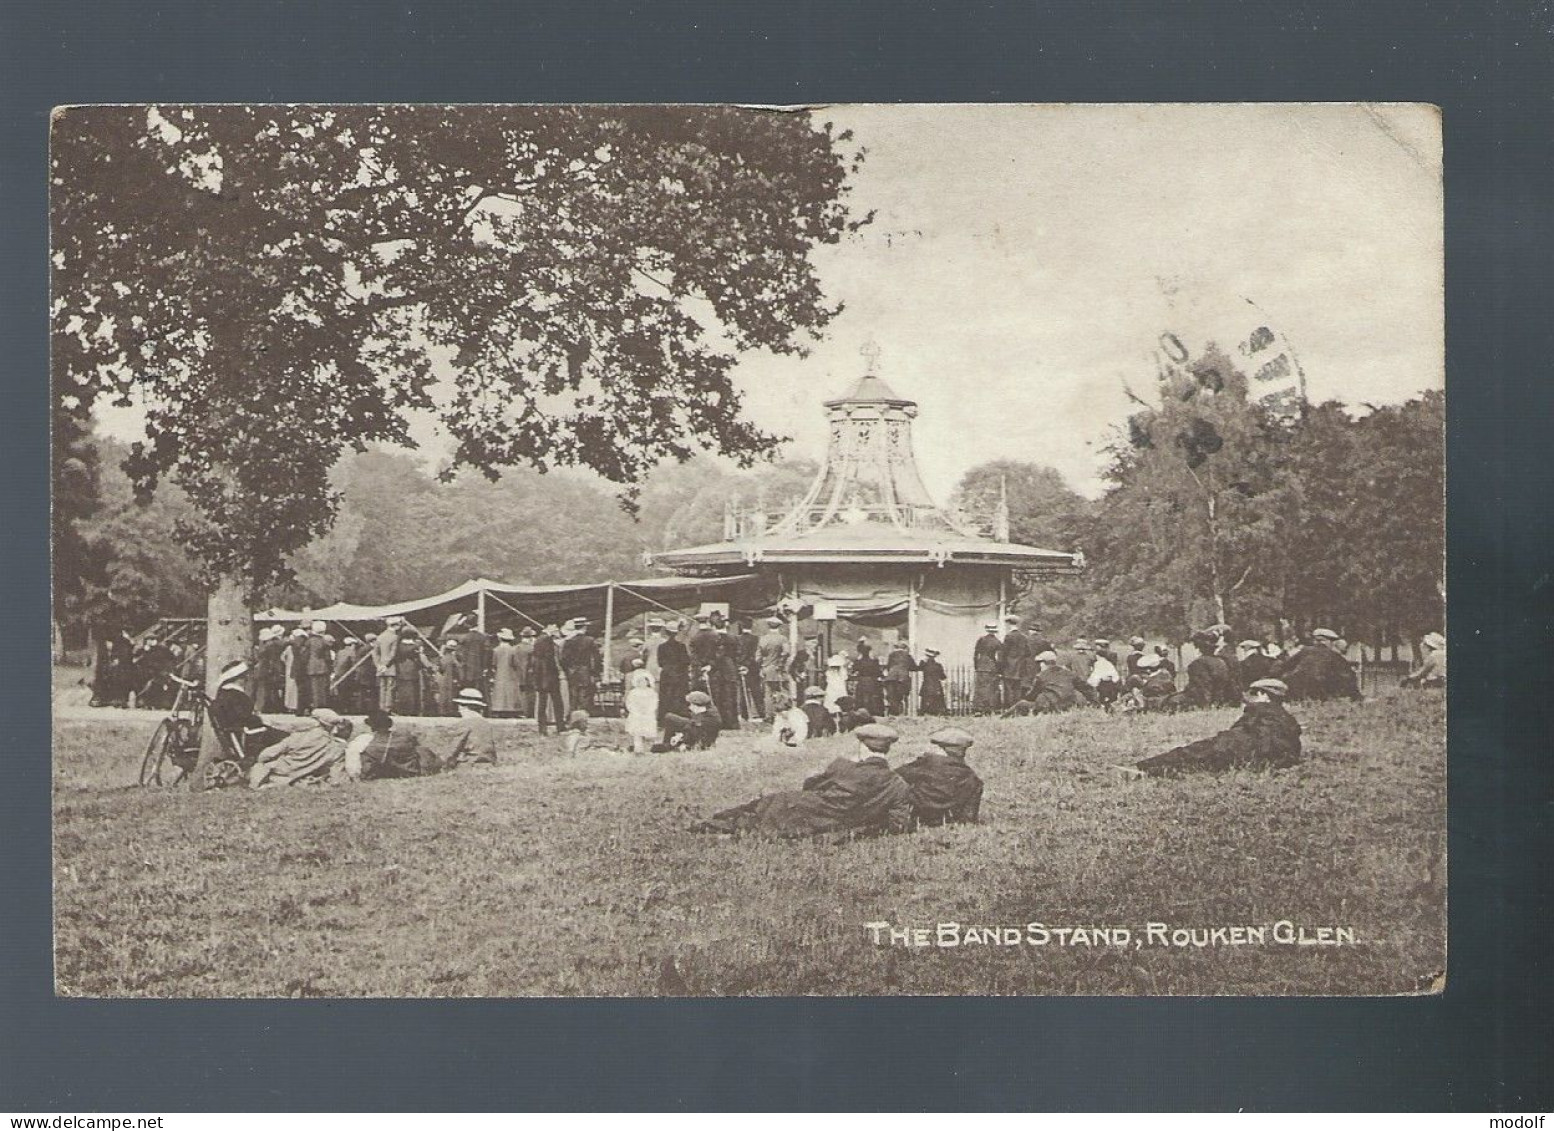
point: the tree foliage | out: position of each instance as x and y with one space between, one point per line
1219 509
278 286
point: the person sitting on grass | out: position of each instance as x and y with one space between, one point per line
313 753
474 743
790 724
1266 736
945 791
1055 688
381 751
848 798
850 716
822 724
697 729
1152 686
1432 670
578 740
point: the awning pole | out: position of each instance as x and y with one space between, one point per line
609 623
480 609
517 610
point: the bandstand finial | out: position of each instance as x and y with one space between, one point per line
871 355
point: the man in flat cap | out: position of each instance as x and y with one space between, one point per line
899 667
772 659
945 790
1266 736
1318 671
822 723
985 677
1055 688
474 653
747 655
385 650
545 679
318 658
704 646
847 798
1013 660
581 661
1151 686
695 727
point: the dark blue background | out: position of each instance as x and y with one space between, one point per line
1484 1044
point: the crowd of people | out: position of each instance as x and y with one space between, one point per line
684 684
143 673
1021 672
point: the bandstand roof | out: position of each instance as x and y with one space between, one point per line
865 542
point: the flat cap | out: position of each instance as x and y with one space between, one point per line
1324 634
953 737
1272 686
699 699
876 732
1049 656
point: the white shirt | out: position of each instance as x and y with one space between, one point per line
1101 671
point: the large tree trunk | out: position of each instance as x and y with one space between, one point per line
229 635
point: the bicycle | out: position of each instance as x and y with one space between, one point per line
174 749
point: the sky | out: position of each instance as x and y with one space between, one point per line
1025 259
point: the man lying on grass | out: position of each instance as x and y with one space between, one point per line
945 791
383 752
1266 736
313 753
847 798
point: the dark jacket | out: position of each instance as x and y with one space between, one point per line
544 675
1015 651
984 657
580 654
1057 689
1209 684
397 754
821 724
945 791
847 797
1318 672
1266 736
704 647
316 655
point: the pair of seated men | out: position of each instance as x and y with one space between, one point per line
863 796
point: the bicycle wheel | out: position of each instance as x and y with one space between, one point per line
158 762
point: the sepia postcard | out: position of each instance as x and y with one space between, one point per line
663 550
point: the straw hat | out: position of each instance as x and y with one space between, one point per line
470 697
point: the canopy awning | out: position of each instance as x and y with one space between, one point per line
549 604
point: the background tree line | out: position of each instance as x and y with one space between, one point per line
401 532
1218 508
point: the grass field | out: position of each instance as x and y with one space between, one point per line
549 876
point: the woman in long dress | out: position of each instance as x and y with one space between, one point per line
674 672
836 681
641 708
506 678
293 694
